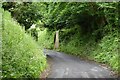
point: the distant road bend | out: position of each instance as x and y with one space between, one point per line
67 66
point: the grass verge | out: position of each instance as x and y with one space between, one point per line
21 55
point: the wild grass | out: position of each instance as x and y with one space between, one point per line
105 50
21 55
46 38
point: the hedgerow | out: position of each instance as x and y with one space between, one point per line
21 56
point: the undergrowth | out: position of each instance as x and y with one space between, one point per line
21 56
46 38
104 50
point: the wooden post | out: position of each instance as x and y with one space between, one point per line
56 40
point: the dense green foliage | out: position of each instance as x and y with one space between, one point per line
105 50
86 29
21 56
25 13
72 42
58 15
46 38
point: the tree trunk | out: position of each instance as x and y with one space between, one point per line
56 40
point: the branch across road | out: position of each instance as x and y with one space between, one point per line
68 66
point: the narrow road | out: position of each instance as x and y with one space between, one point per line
67 66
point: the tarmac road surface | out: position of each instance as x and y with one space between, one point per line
68 66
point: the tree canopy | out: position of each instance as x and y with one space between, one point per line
56 15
